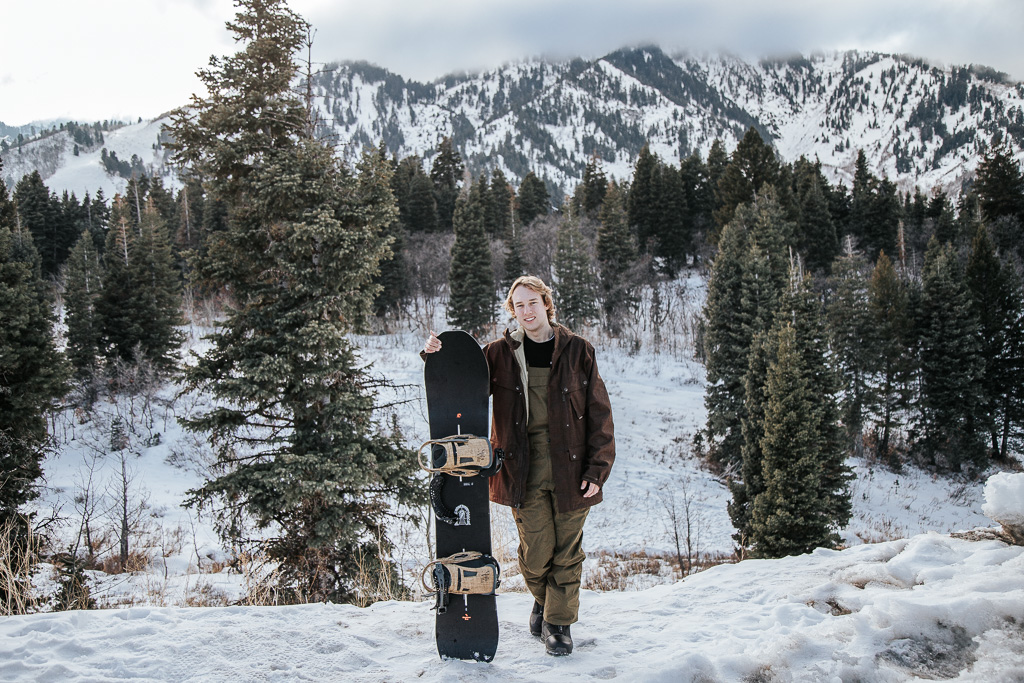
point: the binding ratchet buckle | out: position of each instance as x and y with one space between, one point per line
464 573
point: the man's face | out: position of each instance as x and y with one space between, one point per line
530 309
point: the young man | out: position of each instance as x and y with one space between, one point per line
553 420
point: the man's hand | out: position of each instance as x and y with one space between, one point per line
433 344
589 489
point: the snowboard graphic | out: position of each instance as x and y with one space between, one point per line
464 575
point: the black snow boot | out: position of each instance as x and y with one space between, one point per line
557 640
536 617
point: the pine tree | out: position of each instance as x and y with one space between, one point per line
32 371
800 312
997 305
792 515
392 280
747 279
120 324
575 285
1000 185
616 254
889 354
952 367
39 213
500 203
849 328
155 298
534 200
446 174
82 289
642 200
515 264
815 235
299 452
752 166
471 278
591 191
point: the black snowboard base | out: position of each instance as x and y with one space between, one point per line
456 380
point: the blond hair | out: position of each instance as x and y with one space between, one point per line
536 284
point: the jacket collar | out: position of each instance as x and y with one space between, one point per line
514 338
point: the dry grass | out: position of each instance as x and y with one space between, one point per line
17 560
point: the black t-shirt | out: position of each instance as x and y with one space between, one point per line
538 354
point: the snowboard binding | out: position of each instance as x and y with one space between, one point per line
464 573
463 455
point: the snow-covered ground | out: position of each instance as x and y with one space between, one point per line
931 607
905 598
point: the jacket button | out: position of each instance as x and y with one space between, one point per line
573 456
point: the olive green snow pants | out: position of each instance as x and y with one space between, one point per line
550 542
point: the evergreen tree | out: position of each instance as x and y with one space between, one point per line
815 236
642 200
591 191
500 205
82 289
996 297
120 324
32 371
849 328
575 284
616 254
446 174
534 200
889 354
793 515
471 279
875 211
40 215
1000 185
952 367
515 264
747 279
155 297
699 196
751 166
392 280
299 452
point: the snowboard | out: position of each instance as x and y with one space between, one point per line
456 380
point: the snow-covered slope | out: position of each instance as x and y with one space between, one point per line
64 171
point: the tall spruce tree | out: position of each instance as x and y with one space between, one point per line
996 297
889 352
471 278
575 284
951 422
751 166
616 254
792 514
533 200
446 174
747 278
156 295
300 455
849 328
82 289
32 371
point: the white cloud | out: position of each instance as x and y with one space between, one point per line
138 57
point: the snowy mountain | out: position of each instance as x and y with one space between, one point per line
919 125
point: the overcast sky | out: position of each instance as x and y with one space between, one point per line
128 58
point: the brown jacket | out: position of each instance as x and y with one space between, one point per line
579 419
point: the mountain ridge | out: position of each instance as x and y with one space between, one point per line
920 125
